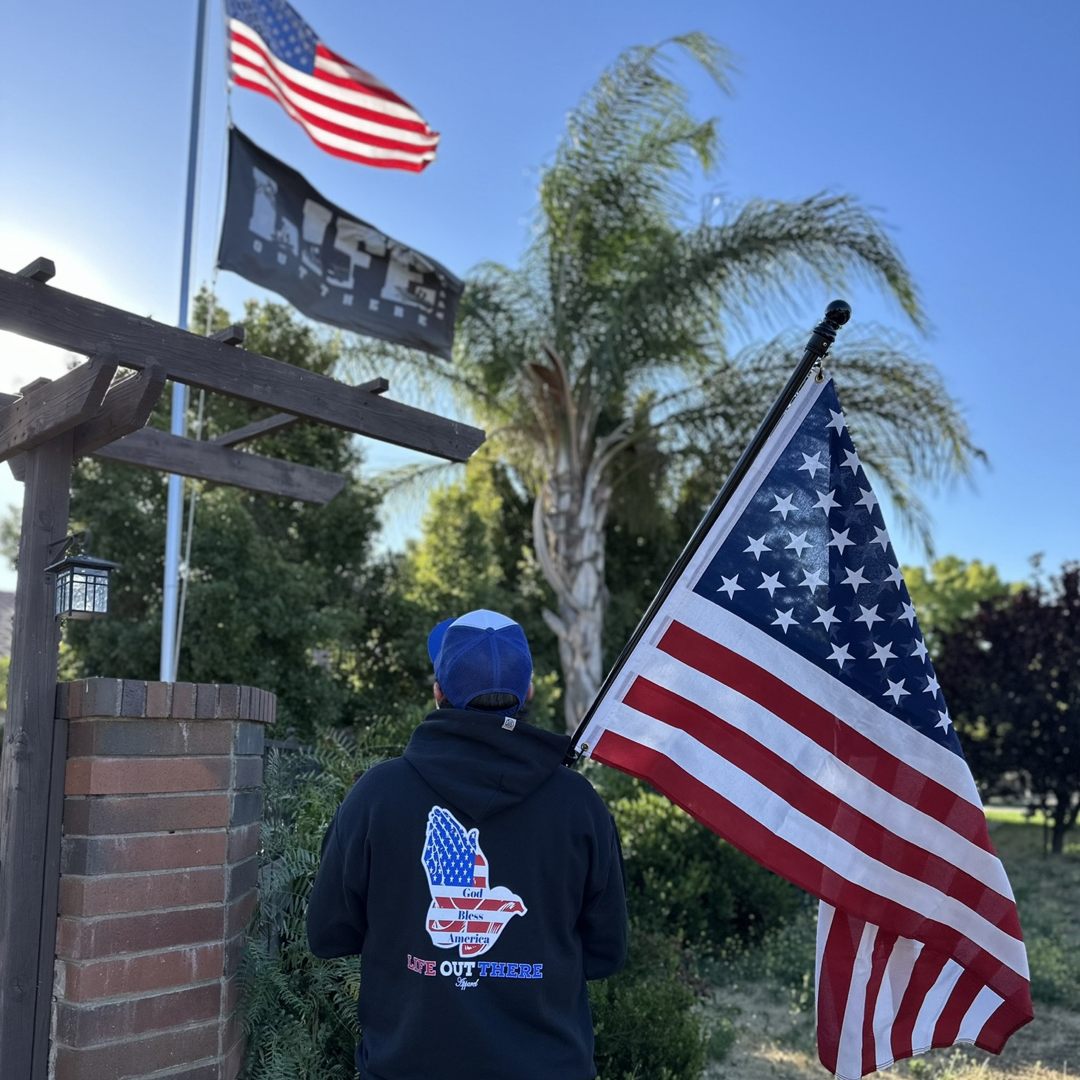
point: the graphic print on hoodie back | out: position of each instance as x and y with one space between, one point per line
465 913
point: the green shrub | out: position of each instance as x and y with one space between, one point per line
647 1027
299 1012
683 880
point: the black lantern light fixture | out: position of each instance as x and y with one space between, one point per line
82 583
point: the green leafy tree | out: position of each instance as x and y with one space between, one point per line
600 365
280 594
950 590
1011 675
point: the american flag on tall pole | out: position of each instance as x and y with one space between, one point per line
346 111
780 691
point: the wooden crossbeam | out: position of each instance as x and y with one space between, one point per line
43 313
54 407
126 408
149 448
253 431
281 420
153 449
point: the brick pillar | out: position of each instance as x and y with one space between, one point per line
158 877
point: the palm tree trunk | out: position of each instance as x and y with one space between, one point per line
570 514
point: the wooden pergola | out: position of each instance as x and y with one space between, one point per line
43 431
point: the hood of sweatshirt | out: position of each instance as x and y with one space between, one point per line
483 763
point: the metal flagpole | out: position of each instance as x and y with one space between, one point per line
821 340
178 425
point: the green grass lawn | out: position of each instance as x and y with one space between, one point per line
1014 815
773 1014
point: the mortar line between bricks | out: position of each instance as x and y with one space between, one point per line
144 1036
111 916
140 874
154 794
139 995
157 832
164 1074
113 957
204 866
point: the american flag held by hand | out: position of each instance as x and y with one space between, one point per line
345 110
783 695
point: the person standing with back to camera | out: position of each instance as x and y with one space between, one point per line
481 882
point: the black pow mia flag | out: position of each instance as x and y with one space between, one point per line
280 233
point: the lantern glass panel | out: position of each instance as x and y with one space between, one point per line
89 592
63 591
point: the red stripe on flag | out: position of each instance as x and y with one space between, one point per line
286 92
963 994
360 82
751 836
924 974
379 163
883 947
815 802
806 716
1000 1025
834 984
282 73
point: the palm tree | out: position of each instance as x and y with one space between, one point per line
606 347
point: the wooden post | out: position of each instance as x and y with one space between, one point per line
31 780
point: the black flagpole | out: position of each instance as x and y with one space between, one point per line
821 340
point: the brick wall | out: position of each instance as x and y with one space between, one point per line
158 876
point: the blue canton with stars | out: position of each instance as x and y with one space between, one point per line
286 35
810 563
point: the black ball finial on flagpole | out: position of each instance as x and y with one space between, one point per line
824 334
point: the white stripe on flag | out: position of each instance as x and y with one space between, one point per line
849 1052
937 997
821 844
329 138
894 983
822 767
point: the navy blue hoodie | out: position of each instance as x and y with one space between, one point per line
482 883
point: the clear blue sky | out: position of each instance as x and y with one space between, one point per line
957 121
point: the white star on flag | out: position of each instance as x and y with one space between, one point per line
783 506
756 546
771 582
798 543
826 502
731 586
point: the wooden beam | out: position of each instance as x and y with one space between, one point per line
85 326
39 270
126 408
31 780
153 449
231 335
375 386
54 407
253 431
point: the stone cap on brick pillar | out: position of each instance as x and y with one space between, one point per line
136 699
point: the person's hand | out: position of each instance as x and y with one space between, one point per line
465 913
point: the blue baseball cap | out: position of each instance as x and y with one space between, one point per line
482 652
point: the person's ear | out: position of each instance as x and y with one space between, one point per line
528 696
440 697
